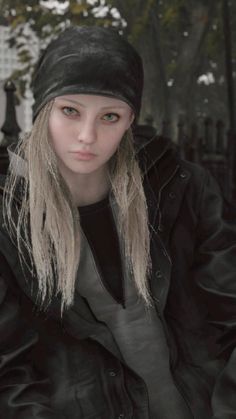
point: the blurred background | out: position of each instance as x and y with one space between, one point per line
189 52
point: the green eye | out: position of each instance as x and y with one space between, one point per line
69 111
111 117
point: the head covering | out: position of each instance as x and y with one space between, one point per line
89 60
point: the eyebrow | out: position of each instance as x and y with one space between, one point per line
81 104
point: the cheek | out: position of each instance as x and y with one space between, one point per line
53 128
114 136
57 133
54 138
110 146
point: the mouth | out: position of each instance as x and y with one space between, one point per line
81 155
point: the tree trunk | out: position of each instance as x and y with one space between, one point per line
159 100
188 64
144 33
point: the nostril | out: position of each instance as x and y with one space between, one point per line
87 136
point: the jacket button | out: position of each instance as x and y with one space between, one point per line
158 274
172 195
183 175
112 373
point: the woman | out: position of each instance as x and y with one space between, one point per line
89 325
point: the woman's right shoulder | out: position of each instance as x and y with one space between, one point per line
7 246
2 185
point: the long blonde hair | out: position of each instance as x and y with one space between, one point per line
53 239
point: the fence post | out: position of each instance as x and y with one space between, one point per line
208 137
220 139
194 144
165 128
10 127
181 139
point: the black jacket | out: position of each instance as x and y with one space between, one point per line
69 367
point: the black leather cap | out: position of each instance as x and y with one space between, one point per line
90 60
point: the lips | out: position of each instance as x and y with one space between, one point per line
82 155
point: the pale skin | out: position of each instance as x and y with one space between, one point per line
85 132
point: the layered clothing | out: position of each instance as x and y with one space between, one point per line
80 365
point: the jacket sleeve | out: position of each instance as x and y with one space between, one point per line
215 274
23 395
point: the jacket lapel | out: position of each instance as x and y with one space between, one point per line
80 322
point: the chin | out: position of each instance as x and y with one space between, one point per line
83 170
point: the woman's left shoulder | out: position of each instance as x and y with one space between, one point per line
202 181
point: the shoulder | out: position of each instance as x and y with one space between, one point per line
200 177
2 184
7 244
163 155
175 176
157 151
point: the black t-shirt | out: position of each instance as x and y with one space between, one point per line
99 227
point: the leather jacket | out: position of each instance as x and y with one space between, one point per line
69 366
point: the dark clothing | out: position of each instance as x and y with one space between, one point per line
98 225
137 332
70 367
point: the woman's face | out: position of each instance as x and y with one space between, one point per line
85 131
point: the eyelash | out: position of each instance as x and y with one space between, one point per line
74 112
117 117
66 108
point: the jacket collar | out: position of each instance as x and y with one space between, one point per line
19 166
156 153
150 147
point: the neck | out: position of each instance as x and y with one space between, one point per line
87 189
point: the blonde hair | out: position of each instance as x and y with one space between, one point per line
47 222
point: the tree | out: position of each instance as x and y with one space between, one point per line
180 41
172 37
36 22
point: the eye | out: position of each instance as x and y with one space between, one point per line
69 111
111 117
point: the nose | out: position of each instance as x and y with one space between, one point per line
87 131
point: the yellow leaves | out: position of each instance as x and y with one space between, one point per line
172 12
77 9
24 55
171 68
18 20
170 15
141 20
